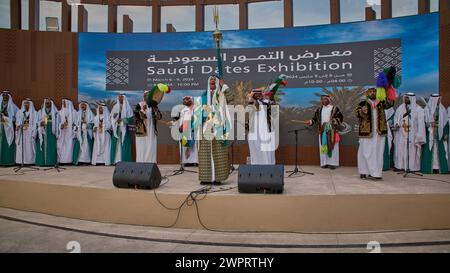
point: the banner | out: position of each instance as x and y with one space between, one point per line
344 64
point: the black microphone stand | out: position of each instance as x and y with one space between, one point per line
22 165
298 169
408 169
232 168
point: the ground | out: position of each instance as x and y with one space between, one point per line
33 232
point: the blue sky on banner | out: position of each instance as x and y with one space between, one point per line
419 36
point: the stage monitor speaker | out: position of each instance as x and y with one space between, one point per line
261 178
136 175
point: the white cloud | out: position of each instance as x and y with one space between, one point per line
373 2
92 78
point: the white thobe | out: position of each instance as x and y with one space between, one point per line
85 155
146 146
101 151
324 158
261 142
371 150
29 147
65 141
417 138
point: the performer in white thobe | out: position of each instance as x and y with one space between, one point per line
83 141
328 118
434 152
188 143
66 134
410 125
372 135
7 146
26 129
261 134
121 116
101 152
146 132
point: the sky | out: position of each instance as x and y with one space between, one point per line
261 15
419 38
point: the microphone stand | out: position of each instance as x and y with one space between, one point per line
22 165
298 169
408 170
232 168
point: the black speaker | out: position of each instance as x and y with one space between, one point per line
136 175
261 178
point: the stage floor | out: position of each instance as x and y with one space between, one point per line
342 181
328 201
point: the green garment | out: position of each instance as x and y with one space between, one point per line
46 154
7 152
386 157
77 149
427 155
387 162
125 145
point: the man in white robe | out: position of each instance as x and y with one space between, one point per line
261 136
434 152
121 116
146 132
188 143
67 134
26 129
410 126
83 141
328 118
372 135
101 152
7 146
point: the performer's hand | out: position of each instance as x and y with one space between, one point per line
365 110
119 120
42 124
95 130
207 109
250 97
222 82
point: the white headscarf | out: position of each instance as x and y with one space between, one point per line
89 118
11 108
126 112
67 112
53 112
106 126
33 118
430 109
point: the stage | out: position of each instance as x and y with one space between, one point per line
329 201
